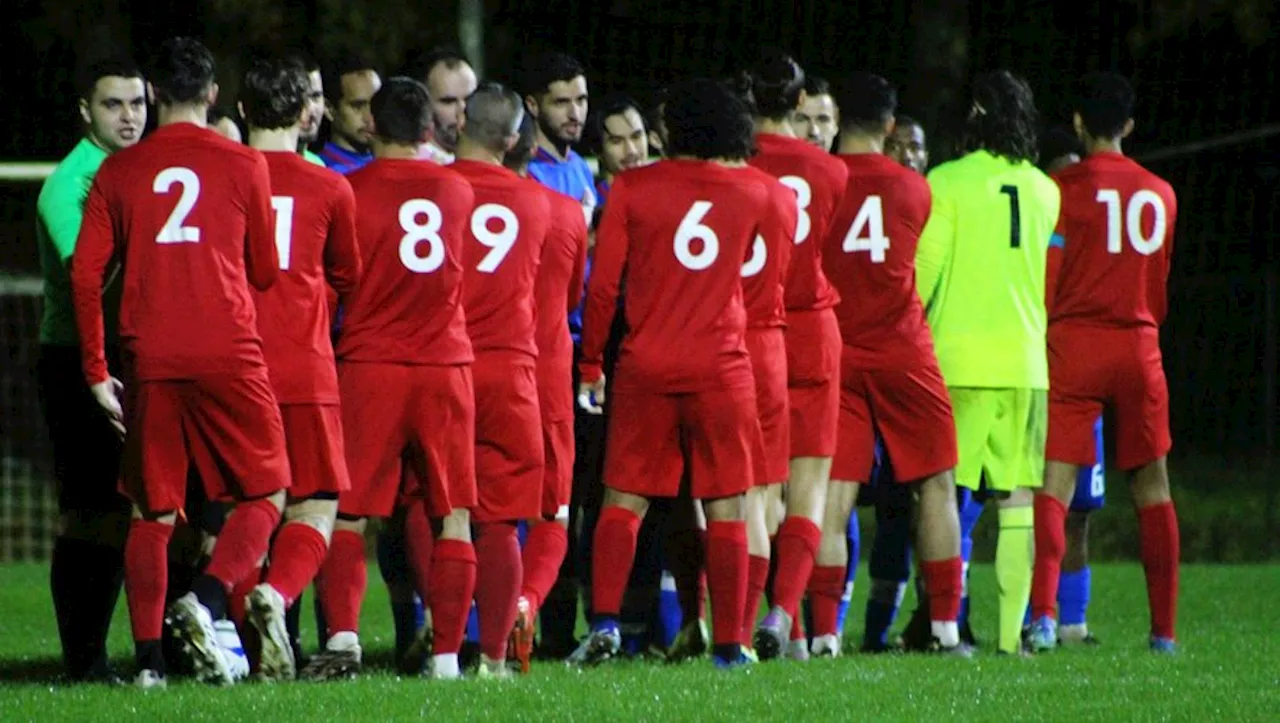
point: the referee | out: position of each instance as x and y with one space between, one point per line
88 557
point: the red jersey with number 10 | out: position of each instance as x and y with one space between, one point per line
765 271
407 309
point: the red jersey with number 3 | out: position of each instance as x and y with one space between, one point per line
189 214
315 234
407 309
681 230
818 180
870 256
558 292
504 240
765 271
1114 244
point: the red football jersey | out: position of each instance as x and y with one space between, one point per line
315 233
504 240
764 273
189 213
818 179
559 291
870 257
407 309
1115 241
681 230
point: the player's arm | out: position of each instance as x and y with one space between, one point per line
602 298
60 207
261 259
578 277
94 246
1053 263
933 252
342 263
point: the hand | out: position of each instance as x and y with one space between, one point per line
107 394
591 396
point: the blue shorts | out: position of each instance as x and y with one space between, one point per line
1091 483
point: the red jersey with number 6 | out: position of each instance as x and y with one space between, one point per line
870 257
407 309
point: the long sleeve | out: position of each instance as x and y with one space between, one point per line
579 275
93 248
934 250
603 288
342 263
261 259
61 211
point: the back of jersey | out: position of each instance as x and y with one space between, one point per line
407 308
1116 241
765 272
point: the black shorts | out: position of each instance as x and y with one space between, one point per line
86 450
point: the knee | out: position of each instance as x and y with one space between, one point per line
1151 484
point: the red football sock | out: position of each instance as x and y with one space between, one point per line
243 541
235 601
944 579
453 584
146 576
296 558
826 587
499 577
613 553
757 577
727 579
797 625
418 543
343 582
544 551
1158 528
798 540
1051 545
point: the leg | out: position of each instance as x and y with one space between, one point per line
826 587
726 574
1050 545
613 554
890 563
452 586
1074 584
1158 528
1014 551
758 548
940 563
397 573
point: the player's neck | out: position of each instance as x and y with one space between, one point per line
395 150
558 150
1102 145
852 145
275 139
469 150
185 113
776 127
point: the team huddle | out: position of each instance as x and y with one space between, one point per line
779 319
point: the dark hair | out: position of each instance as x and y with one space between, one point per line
708 119
336 68
1004 118
867 101
215 115
1105 103
902 120
273 94
776 83
308 62
183 71
401 110
420 64
494 113
813 85
518 157
1058 142
87 76
540 71
614 104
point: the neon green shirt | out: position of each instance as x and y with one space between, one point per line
313 158
980 269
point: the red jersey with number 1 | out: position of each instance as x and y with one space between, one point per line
870 256
407 309
765 271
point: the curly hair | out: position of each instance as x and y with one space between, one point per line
708 119
1003 117
273 93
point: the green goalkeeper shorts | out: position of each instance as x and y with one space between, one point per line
1000 432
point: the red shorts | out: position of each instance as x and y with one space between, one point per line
393 414
229 427
912 412
768 350
557 473
651 434
813 381
509 449
1090 368
313 438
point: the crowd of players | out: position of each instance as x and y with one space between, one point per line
781 316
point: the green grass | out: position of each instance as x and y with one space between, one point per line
1228 669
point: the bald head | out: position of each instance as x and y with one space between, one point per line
494 114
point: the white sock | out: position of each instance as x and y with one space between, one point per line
1074 633
947 633
445 666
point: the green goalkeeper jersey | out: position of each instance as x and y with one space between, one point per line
980 270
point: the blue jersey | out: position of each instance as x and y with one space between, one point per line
339 159
1091 482
573 178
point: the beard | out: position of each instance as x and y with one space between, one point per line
554 135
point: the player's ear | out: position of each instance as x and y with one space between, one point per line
801 99
511 142
84 111
531 105
151 94
212 97
890 126
1128 128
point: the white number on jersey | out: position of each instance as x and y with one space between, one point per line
1097 481
499 243
416 232
804 196
283 206
759 256
867 231
1143 244
173 232
691 228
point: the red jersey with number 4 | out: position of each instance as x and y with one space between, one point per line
764 272
1113 244
558 292
870 256
504 240
189 214
818 179
315 233
681 230
407 309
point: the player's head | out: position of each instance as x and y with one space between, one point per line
350 83
906 144
183 74
450 79
401 112
517 159
493 117
223 124
1103 108
310 129
708 119
818 117
1059 148
867 103
273 95
777 85
554 86
624 141
1002 116
113 102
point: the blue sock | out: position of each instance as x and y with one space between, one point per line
890 568
970 512
473 624
853 538
393 563
522 532
1073 596
670 616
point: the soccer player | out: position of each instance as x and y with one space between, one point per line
88 554
817 120
316 243
404 379
310 131
980 271
812 338
555 94
189 213
349 86
906 144
684 370
1108 274
451 80
891 386
624 142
